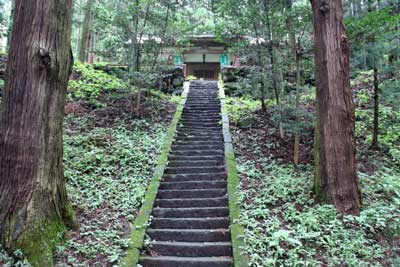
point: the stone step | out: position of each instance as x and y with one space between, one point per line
195 163
210 135
201 116
197 102
190 235
168 261
202 103
199 138
198 153
198 193
194 177
199 143
201 121
201 110
200 132
190 223
191 249
196 158
183 147
201 107
203 129
177 170
202 113
191 202
193 185
207 212
198 124
216 127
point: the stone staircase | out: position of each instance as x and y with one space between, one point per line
190 225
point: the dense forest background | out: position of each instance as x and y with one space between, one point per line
123 91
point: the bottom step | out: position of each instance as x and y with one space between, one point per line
186 262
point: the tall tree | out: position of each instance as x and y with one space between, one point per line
336 179
86 34
34 207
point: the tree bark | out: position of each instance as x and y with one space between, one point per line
86 34
336 179
275 82
34 207
375 144
296 150
295 48
164 31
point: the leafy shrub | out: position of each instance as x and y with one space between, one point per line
90 83
239 108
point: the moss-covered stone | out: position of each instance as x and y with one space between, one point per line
237 231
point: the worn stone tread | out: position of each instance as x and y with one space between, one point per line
190 235
191 249
190 223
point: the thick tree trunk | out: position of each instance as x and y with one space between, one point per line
375 144
336 179
34 207
86 34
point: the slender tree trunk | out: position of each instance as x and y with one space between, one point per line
162 37
336 179
298 86
86 34
296 53
138 56
261 63
275 83
139 42
34 208
375 144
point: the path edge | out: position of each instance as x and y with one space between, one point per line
131 259
237 230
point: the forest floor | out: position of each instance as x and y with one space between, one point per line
284 226
109 156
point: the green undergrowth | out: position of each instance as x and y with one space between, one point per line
87 83
107 171
109 156
241 108
284 227
283 224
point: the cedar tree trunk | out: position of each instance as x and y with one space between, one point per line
336 179
34 208
86 34
375 135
